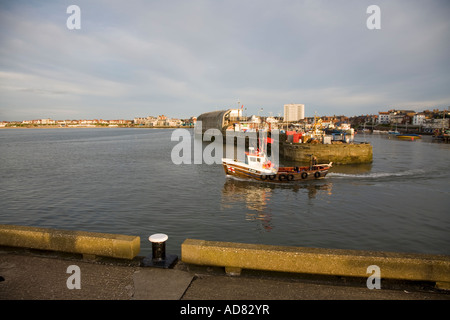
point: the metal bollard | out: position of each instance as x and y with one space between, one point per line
159 257
158 241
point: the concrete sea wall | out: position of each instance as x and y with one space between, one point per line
345 153
337 262
237 256
89 244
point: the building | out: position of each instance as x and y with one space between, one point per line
147 121
294 112
401 116
384 117
418 119
436 123
271 120
47 121
162 121
236 114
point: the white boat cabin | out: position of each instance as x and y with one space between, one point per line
257 160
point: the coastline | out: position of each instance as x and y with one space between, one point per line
96 127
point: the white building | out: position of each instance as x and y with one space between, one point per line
255 119
294 112
47 121
236 114
148 121
271 120
384 117
418 119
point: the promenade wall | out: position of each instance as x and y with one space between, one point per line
237 256
88 244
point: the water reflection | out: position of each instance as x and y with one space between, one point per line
313 188
257 196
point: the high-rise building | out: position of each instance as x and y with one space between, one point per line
294 112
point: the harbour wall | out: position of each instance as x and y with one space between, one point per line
88 244
319 261
237 256
336 152
345 153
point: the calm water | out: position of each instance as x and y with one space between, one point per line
123 181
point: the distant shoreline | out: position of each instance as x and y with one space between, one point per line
96 127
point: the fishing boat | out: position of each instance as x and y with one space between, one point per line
258 167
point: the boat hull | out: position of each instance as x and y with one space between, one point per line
284 174
408 136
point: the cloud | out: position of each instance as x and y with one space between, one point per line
185 58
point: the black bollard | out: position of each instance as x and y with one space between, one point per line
158 246
159 257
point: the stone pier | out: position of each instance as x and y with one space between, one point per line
345 153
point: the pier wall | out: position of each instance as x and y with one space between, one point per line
334 262
237 256
339 153
345 153
89 244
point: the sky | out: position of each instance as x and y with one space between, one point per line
183 58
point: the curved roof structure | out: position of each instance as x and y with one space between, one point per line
214 120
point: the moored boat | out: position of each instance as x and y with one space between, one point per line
409 136
258 167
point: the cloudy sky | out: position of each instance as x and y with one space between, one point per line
183 58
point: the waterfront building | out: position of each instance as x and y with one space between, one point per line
47 121
418 119
162 121
383 117
174 122
255 119
436 123
294 112
147 121
138 120
401 116
271 120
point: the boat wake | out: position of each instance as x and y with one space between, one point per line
379 175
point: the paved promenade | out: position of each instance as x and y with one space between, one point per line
36 275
